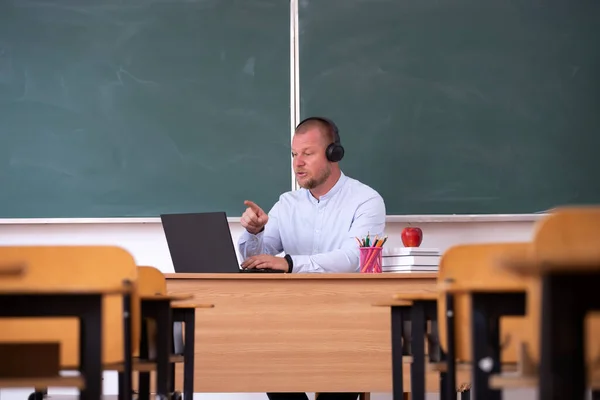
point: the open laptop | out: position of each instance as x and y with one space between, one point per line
201 242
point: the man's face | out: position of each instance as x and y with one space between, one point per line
310 163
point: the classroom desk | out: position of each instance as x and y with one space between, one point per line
296 332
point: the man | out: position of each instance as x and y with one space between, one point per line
315 226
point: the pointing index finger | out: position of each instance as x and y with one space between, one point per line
253 206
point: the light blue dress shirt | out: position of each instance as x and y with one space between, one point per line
319 235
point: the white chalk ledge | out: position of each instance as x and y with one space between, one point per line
407 219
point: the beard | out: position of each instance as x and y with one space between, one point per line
316 181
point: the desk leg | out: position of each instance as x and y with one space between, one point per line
172 379
562 370
163 347
143 385
144 377
417 370
485 336
125 384
397 353
444 386
189 353
90 348
450 347
487 308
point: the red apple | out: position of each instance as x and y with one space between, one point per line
412 236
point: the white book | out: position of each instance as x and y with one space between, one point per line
410 271
412 268
410 251
411 260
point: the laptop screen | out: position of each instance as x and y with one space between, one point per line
200 242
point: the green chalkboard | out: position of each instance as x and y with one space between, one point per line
112 108
459 106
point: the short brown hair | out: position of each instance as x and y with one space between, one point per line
322 126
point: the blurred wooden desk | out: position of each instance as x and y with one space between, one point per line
296 332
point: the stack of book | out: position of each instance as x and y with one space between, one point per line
410 259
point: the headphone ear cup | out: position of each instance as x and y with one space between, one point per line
334 152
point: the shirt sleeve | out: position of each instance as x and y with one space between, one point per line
266 242
369 218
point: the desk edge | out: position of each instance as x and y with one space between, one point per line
326 276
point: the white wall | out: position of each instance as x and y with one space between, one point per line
147 244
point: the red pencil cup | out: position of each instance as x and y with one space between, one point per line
370 260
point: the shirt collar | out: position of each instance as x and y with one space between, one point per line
336 188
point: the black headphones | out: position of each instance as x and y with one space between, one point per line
335 150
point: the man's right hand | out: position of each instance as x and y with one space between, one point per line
254 218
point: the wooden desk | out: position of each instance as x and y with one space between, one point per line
296 332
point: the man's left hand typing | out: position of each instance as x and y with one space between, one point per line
262 261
